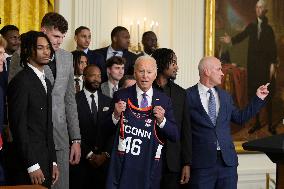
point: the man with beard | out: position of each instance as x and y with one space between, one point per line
94 114
177 154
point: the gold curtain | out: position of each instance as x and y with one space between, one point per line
25 14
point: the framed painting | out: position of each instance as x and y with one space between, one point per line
248 38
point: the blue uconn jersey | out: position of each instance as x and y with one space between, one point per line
135 161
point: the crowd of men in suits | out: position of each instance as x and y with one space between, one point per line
66 114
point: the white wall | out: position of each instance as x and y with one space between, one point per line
181 27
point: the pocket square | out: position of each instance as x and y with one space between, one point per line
105 109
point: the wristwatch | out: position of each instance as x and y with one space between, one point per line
76 141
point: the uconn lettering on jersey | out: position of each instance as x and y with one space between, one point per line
137 132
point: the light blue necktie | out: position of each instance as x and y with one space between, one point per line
144 101
212 107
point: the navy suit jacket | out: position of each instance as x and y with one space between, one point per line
128 67
97 59
205 134
169 131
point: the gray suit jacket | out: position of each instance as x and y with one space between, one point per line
64 107
105 89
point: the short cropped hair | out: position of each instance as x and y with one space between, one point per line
116 30
115 60
7 28
79 29
55 20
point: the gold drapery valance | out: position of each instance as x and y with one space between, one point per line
25 14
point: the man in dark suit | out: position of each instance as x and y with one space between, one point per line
177 157
94 114
30 116
120 40
145 72
261 59
83 40
211 110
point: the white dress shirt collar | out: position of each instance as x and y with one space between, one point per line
149 95
89 99
40 74
110 52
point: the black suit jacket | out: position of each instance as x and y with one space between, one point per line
178 153
128 68
94 137
30 118
96 58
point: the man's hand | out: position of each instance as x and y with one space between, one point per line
97 160
75 154
119 107
37 177
55 174
262 91
225 39
159 113
185 174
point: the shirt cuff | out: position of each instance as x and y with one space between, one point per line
89 155
33 168
54 163
114 120
163 123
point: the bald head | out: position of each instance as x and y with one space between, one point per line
210 71
145 72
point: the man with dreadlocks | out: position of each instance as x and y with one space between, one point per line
30 116
80 61
177 154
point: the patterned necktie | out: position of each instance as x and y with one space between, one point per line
94 107
77 84
144 101
212 107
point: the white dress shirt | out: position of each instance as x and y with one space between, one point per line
149 96
204 97
110 51
41 76
89 98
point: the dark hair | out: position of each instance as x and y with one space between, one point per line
116 30
7 28
88 67
76 59
115 60
124 79
55 20
163 57
147 33
29 45
79 29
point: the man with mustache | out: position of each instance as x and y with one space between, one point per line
177 154
94 114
